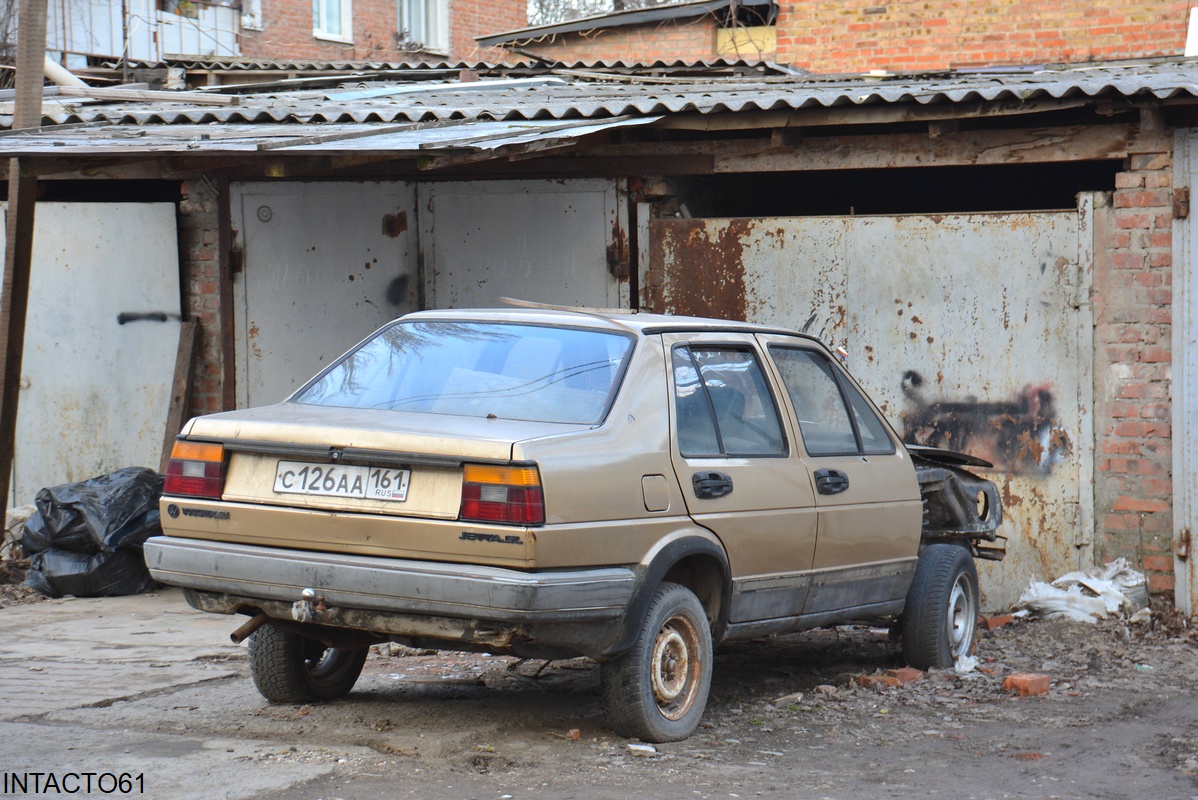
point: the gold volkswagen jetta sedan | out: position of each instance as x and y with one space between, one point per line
632 488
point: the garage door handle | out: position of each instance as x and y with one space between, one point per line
831 481
710 485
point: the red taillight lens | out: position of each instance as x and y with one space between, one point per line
196 469
510 495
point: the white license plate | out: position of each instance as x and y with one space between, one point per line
337 480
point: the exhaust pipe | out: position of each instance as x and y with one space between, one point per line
241 634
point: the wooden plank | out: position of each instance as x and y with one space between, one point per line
888 114
1017 146
967 148
192 98
18 250
180 401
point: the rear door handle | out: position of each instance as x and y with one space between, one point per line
830 481
710 485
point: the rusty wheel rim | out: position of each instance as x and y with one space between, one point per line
675 667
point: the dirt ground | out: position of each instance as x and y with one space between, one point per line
1120 721
785 720
787 717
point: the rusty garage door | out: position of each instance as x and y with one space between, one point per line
971 331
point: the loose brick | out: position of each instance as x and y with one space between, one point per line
878 682
906 674
993 623
1027 684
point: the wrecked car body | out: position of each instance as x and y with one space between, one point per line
633 488
959 506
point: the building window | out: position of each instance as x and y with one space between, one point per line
424 25
333 19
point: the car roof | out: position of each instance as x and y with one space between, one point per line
609 319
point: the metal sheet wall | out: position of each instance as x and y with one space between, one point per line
148 31
1185 381
971 332
327 263
100 343
559 242
324 265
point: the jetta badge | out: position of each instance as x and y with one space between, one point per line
470 536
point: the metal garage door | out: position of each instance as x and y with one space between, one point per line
559 242
324 265
327 263
100 342
971 331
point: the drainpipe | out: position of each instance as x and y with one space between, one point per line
60 75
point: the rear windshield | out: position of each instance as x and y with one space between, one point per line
523 372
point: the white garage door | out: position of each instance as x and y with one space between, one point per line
324 265
100 342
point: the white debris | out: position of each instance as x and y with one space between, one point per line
965 664
643 750
1089 595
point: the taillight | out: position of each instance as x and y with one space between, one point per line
502 494
196 469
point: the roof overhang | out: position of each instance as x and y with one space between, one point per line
456 141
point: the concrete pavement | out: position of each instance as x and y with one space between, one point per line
85 685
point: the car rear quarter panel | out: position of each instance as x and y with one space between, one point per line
610 492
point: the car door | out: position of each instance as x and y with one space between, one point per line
870 512
740 475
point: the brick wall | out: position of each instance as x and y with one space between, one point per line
200 266
860 35
470 18
287 31
1132 301
684 40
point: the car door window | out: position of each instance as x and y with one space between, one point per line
874 438
818 397
723 404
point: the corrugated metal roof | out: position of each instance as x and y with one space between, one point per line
599 97
283 65
412 140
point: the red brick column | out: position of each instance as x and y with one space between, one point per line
198 222
1133 318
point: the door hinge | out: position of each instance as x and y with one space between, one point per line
1181 202
1182 548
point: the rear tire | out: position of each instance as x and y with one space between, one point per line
657 690
940 620
290 668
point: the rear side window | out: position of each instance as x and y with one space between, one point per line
723 405
523 372
828 424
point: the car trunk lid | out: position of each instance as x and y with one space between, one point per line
358 460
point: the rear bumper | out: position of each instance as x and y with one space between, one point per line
401 586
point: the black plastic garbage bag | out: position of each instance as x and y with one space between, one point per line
117 511
55 573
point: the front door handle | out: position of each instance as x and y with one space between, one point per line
710 485
830 481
